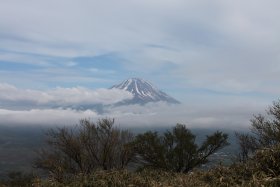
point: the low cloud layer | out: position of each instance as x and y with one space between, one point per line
64 106
44 117
151 115
13 97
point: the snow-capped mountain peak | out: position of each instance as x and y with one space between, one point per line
143 92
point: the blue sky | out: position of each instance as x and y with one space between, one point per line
204 53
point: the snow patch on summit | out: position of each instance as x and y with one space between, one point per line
143 92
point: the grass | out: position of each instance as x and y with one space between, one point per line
261 170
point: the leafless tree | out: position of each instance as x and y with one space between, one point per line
85 148
265 132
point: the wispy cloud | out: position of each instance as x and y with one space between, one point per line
227 46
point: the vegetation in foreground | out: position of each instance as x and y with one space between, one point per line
263 169
167 160
101 146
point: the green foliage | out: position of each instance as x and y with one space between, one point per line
176 150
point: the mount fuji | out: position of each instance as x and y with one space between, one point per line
143 92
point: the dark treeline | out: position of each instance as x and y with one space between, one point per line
92 146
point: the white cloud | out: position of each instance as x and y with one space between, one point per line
82 96
42 117
62 97
153 115
223 46
75 28
216 114
33 107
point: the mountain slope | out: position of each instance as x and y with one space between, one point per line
143 92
